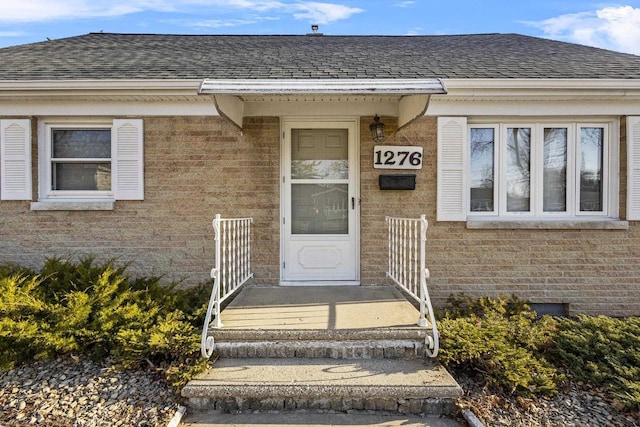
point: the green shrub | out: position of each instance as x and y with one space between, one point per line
98 310
501 340
602 351
23 320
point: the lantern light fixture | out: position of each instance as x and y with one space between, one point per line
377 129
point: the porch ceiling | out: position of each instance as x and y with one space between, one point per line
406 98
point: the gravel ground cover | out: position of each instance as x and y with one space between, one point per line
575 406
83 393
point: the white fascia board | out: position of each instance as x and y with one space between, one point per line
507 107
113 87
542 87
323 86
97 106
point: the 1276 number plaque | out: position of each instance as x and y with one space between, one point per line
397 157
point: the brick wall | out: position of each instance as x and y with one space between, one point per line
196 167
595 271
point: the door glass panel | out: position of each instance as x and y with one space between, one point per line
319 209
518 169
319 154
555 170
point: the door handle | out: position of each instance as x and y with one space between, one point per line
353 203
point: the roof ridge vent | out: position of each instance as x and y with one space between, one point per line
314 28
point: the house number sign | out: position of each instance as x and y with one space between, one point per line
397 157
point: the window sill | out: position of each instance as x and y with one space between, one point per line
548 224
73 205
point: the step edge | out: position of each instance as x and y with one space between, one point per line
448 391
376 343
317 335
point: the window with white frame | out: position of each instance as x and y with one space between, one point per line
79 160
538 169
88 160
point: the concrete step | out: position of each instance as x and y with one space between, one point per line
284 334
396 342
288 384
382 349
310 419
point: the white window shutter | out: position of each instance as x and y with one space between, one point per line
633 168
15 159
128 159
452 169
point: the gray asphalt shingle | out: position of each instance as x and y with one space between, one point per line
156 56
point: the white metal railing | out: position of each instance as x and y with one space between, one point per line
231 270
407 268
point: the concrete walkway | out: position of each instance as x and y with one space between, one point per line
315 420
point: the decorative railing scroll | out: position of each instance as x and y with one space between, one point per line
407 268
232 268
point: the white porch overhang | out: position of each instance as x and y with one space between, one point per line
408 97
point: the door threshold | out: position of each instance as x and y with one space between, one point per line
320 283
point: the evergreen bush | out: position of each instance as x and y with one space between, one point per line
502 341
96 309
602 352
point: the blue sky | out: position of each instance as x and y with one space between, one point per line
605 24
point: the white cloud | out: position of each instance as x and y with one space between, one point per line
406 3
615 28
53 10
12 34
221 23
57 10
323 13
623 26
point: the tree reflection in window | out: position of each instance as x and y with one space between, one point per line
482 170
591 165
518 169
319 169
555 170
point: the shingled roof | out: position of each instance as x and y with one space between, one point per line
98 56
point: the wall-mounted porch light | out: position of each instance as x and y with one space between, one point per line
377 129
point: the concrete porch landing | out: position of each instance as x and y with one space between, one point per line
319 308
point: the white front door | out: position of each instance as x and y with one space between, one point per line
320 201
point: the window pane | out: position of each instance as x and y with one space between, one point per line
319 209
518 169
591 166
319 154
82 176
481 185
555 170
81 143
